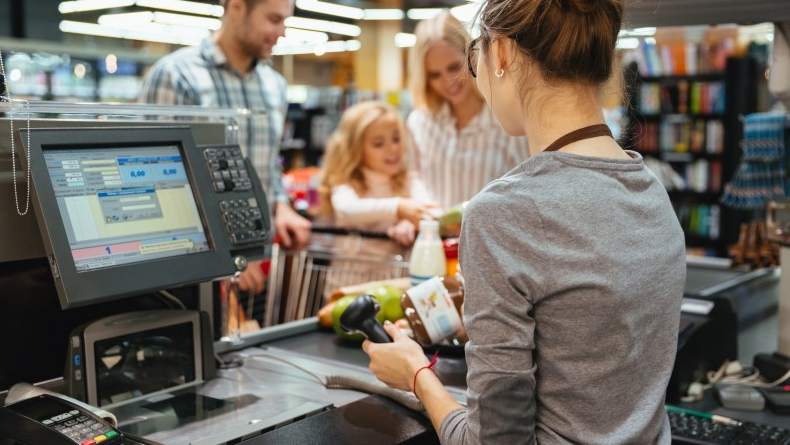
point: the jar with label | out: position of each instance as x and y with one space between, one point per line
433 309
427 258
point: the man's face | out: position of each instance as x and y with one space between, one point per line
262 25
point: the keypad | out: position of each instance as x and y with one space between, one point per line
82 429
243 220
228 170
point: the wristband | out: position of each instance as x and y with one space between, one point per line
430 366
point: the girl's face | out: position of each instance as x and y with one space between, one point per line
445 69
382 150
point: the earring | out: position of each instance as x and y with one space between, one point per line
500 72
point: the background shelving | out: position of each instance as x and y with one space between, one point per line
690 122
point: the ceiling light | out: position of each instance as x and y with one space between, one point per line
161 28
304 36
330 9
627 43
323 25
187 20
183 6
334 46
15 75
126 18
91 5
384 14
638 32
405 40
466 13
423 13
132 34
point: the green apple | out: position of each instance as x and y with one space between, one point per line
388 297
340 306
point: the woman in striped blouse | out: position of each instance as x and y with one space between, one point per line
458 146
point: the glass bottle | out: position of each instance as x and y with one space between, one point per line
427 258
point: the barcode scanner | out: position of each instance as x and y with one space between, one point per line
360 316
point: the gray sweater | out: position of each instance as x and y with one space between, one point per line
574 271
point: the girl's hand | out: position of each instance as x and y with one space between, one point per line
403 232
395 363
414 211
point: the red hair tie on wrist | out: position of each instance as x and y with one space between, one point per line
430 366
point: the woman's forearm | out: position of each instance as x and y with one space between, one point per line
437 401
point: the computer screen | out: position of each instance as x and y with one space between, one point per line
122 205
127 210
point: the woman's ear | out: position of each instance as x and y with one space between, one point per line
503 51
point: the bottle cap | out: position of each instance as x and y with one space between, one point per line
450 248
429 224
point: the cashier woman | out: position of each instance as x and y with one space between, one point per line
573 262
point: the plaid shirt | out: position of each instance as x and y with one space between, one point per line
457 164
201 75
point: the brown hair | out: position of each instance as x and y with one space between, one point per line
570 40
342 162
441 29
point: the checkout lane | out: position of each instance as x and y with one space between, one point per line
275 395
350 417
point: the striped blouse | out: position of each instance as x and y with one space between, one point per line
201 75
457 164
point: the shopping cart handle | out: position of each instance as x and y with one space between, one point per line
332 230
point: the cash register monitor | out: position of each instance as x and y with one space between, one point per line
124 211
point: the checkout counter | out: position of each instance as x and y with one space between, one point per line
272 389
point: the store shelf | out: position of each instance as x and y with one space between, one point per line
691 123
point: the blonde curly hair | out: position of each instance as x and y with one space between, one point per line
342 162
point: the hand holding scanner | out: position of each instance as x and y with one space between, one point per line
45 419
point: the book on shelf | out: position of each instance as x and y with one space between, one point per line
700 220
714 136
682 57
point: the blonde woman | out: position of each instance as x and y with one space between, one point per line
366 184
458 145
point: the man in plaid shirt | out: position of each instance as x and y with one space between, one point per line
231 69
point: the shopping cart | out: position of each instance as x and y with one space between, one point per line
301 280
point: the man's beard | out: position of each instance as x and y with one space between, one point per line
253 50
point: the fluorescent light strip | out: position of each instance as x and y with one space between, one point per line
405 40
330 9
384 14
334 46
423 13
187 20
124 20
127 18
638 32
302 36
183 6
323 25
106 31
92 5
627 43
465 13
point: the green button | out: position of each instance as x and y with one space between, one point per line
110 434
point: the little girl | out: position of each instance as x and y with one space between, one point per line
366 184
